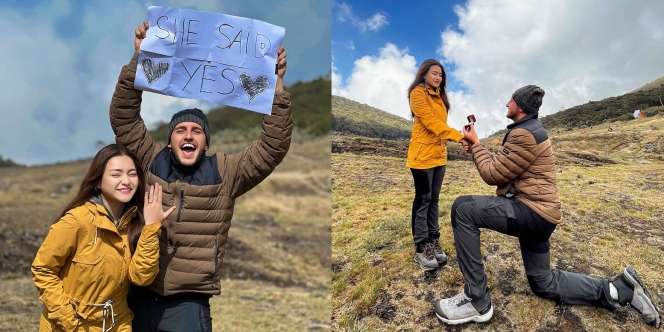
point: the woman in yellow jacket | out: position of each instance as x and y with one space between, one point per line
427 157
98 245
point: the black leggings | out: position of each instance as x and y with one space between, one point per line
424 216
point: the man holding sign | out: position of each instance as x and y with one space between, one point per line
202 188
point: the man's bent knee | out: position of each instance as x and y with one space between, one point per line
542 285
460 204
460 200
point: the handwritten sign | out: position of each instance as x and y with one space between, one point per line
219 58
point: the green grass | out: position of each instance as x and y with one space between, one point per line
258 306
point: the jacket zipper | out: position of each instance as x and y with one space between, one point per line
177 220
180 206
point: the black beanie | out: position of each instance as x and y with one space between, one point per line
190 115
529 98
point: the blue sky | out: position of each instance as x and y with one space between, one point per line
575 50
412 25
61 60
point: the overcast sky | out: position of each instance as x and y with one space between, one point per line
60 61
575 50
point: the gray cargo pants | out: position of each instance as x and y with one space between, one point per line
511 217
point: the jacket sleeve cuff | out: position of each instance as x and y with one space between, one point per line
65 316
477 147
151 229
456 136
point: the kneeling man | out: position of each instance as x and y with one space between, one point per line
527 207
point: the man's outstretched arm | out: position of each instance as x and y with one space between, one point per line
514 157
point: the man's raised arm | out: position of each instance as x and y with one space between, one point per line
125 109
256 162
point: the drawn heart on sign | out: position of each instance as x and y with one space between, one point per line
153 71
253 87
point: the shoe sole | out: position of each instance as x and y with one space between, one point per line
476 319
424 267
635 280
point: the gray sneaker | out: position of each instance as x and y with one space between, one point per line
438 252
459 309
641 301
426 259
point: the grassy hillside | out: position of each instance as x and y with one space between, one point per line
360 128
611 181
277 265
310 104
351 117
657 83
649 99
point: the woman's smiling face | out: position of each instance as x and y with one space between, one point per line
120 180
434 76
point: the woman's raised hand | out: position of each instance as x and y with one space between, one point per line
152 209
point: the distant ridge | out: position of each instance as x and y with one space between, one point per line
362 129
310 105
657 83
351 117
649 98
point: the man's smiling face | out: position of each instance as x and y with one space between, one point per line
188 142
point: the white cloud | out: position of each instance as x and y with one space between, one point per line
373 23
376 21
160 108
350 45
576 51
24 114
381 81
347 44
337 80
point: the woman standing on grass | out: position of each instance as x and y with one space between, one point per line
98 245
427 157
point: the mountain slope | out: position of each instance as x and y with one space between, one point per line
360 128
351 117
310 104
648 98
657 83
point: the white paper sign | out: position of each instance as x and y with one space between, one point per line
219 58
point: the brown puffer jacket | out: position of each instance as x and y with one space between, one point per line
525 167
192 243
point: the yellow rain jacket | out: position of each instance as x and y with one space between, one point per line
84 266
430 133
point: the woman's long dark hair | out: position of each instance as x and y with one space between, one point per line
419 79
90 188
